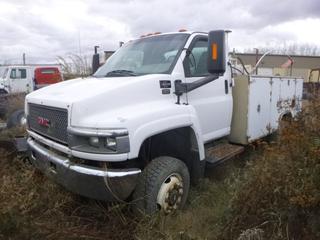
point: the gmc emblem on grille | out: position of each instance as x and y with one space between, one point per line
43 122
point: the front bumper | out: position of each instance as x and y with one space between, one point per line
88 181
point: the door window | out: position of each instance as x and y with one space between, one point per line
18 73
195 63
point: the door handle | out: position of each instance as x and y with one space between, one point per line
226 87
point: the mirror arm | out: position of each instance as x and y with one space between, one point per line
181 88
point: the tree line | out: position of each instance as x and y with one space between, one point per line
290 49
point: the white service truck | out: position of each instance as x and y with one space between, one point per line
144 126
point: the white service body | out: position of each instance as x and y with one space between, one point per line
260 102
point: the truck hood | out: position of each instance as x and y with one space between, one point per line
68 92
96 102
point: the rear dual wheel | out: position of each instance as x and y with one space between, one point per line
163 186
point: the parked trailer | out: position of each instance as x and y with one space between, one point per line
149 120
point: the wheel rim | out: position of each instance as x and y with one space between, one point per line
170 194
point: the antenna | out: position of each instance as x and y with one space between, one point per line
79 42
227 39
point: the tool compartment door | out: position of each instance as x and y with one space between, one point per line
275 111
259 108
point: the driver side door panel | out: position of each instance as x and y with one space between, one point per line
213 101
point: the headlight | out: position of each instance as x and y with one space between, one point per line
99 140
111 143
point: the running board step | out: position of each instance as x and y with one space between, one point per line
222 152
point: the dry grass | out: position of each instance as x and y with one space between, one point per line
206 208
280 192
74 66
270 192
15 102
33 207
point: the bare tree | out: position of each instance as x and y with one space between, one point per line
74 65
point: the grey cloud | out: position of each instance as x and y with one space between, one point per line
252 14
274 11
97 22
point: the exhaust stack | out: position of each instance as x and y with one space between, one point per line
95 60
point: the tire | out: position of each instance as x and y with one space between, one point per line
163 186
16 119
284 122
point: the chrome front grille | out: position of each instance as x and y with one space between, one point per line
49 121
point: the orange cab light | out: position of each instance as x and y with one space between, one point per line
142 36
183 30
149 34
214 51
156 33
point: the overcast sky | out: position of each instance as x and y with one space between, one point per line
44 29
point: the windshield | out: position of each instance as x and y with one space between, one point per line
150 55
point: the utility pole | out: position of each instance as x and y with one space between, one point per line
24 59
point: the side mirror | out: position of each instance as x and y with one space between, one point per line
217 52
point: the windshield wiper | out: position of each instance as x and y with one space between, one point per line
121 73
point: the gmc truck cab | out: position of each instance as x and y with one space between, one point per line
143 126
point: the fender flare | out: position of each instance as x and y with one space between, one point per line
162 125
287 112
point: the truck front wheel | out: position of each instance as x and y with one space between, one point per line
163 186
17 119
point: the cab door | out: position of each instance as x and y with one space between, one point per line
213 101
19 81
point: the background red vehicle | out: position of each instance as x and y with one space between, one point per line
46 75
